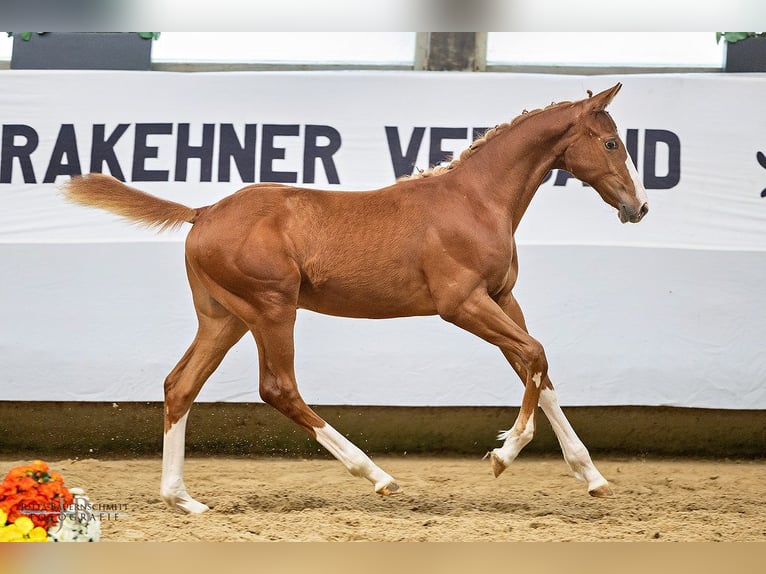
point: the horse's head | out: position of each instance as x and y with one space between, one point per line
596 155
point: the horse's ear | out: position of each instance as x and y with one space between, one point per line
600 101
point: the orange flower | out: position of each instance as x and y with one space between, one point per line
33 487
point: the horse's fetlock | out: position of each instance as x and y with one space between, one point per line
172 491
577 457
527 434
359 466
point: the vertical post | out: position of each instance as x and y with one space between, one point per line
451 51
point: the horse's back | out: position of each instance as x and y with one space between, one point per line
342 253
306 215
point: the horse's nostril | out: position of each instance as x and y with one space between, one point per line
644 209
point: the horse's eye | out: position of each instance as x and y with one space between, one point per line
610 144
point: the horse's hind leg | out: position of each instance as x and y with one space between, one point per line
273 331
217 332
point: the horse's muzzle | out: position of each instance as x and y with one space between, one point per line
628 214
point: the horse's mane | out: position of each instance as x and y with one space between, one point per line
480 141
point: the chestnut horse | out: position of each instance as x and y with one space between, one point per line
440 242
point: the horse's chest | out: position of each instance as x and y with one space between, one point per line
493 256
497 264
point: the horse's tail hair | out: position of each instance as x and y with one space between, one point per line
109 193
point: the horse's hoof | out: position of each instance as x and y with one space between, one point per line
498 466
186 504
389 489
602 491
194 507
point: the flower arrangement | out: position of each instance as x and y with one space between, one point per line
21 530
78 524
35 506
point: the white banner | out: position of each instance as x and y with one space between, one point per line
668 312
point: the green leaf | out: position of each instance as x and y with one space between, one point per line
26 36
733 37
149 35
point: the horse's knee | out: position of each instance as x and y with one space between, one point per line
537 358
535 364
170 387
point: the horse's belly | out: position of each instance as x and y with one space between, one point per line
367 301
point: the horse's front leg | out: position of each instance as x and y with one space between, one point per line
575 453
480 315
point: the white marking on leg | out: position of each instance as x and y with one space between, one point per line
537 378
172 488
639 187
357 463
575 453
514 441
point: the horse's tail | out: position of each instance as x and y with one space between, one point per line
106 192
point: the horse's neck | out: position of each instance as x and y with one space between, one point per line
512 165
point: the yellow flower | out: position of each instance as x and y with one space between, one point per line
3 517
22 531
38 534
24 523
11 533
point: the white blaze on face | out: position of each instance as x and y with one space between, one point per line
639 187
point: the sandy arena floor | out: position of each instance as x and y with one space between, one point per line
444 499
